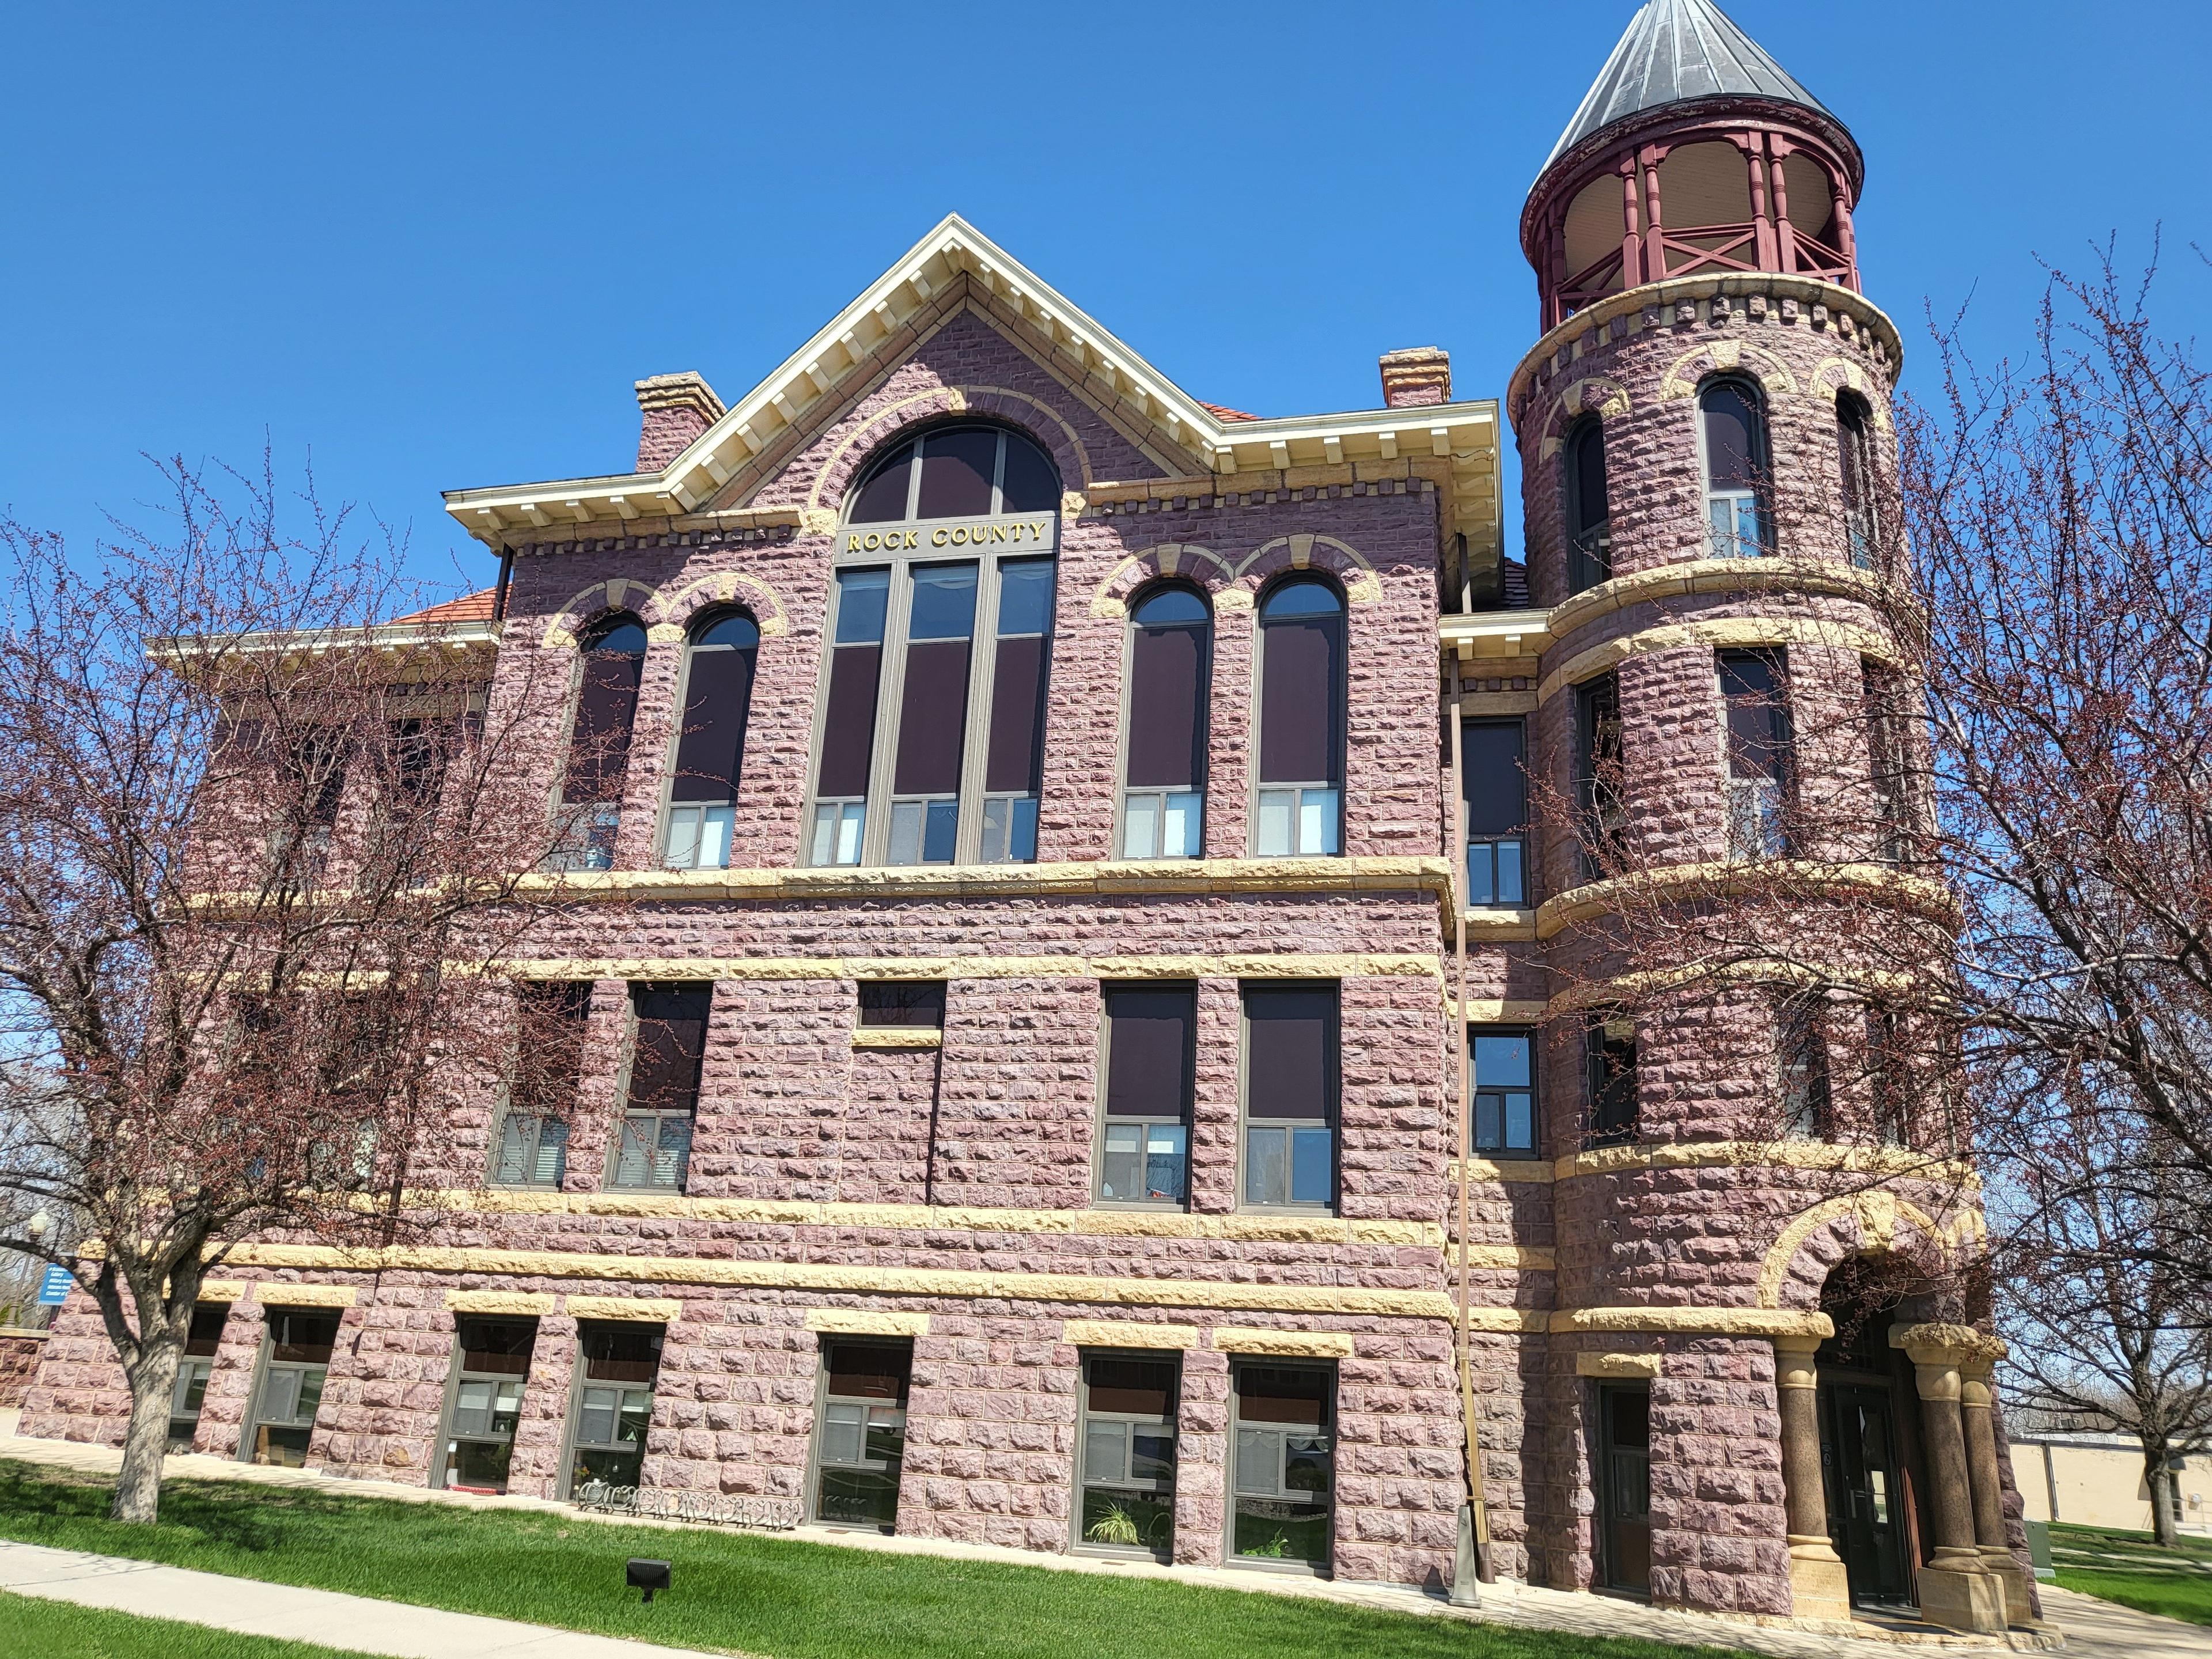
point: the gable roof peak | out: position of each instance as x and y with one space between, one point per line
1674 50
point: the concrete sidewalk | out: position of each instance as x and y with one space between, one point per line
358 1623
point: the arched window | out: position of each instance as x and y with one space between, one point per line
1298 807
599 742
1589 514
1163 783
1855 440
1739 476
958 523
710 744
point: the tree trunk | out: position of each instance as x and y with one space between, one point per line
153 1381
2163 1485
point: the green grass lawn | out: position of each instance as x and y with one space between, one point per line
731 1591
2127 1567
29 1626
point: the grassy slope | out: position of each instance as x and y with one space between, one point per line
30 1626
2128 1568
734 1590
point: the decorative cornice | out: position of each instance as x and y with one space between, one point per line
1257 965
1732 881
1717 634
1695 576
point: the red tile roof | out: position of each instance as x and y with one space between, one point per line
469 607
1225 413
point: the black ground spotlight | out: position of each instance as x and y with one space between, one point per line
648 1575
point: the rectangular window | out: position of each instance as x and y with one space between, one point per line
1759 758
193 1370
1299 806
1496 791
1124 1501
1163 802
668 1046
1887 1075
598 759
532 1147
1013 764
295 1360
1283 1481
483 1402
859 1432
931 738
1598 774
1290 1096
1610 1047
1807 1110
1505 1091
613 1407
1624 1485
907 1002
1149 1066
1884 707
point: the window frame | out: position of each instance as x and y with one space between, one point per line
265 1363
1123 789
1101 1121
1766 541
1580 559
195 1365
1601 822
594 830
624 1115
1523 840
1333 1087
1594 1038
1801 1042
811 1497
1339 738
1172 1423
572 1425
1029 536
1501 1153
1860 479
1239 1363
509 1113
444 1450
1783 736
665 819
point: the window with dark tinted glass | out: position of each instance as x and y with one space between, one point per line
1855 441
1732 428
1496 791
612 1405
295 1360
1753 696
907 1002
1884 713
1609 1048
1801 1045
193 1370
1149 1038
1283 1484
598 743
483 1402
1504 1090
941 633
1125 1503
668 1047
1299 808
530 1148
859 1432
710 745
1170 665
1290 1096
1589 513
1598 774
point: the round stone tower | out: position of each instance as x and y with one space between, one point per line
1705 435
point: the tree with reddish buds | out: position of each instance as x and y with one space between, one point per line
258 848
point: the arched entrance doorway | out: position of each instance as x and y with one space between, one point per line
1871 1465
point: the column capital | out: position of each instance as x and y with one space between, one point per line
1936 1344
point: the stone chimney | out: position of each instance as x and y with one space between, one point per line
1416 377
676 408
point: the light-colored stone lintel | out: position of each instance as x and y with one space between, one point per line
1302 1345
1126 1333
1106 878
269 1295
641 1309
1694 1321
1620 1366
893 1036
1892 1161
867 1322
223 1290
521 1304
1725 880
1287 964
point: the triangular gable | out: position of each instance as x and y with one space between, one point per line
1183 435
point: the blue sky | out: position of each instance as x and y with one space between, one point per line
434 246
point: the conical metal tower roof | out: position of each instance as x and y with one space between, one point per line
1674 50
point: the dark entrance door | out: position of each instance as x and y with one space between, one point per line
1866 1503
1624 1487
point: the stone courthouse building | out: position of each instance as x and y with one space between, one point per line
1017 1095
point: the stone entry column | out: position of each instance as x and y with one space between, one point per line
1957 1590
1984 1475
1819 1587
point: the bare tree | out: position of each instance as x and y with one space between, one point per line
256 846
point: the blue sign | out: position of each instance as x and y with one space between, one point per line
54 1289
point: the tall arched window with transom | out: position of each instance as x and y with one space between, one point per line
719 658
1298 806
589 811
930 729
